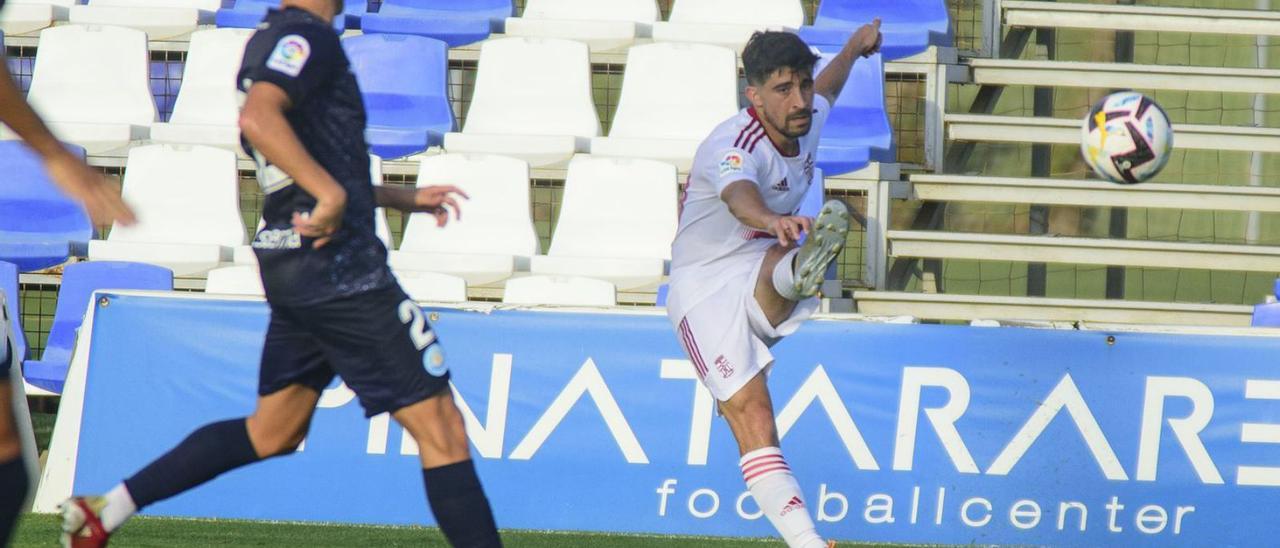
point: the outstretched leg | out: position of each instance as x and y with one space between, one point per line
277 427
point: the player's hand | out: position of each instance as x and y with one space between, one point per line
788 229
438 200
867 39
100 196
323 221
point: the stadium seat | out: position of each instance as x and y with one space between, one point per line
28 16
532 101
432 287
559 291
79 281
603 26
188 207
246 14
617 221
494 237
727 23
857 130
13 301
455 22
91 84
207 109
38 222
160 19
404 81
908 26
654 123
234 280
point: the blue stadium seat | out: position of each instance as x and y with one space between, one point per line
79 281
858 129
246 14
456 22
909 26
37 222
404 81
9 286
1268 314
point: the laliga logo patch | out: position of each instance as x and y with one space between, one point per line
290 55
732 163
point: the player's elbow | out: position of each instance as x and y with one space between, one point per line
250 123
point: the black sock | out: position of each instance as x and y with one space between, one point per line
209 451
13 492
460 507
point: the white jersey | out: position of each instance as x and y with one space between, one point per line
711 244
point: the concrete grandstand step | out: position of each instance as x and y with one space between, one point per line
1017 72
968 188
968 307
1070 250
1139 18
1026 129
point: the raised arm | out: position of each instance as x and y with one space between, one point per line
864 42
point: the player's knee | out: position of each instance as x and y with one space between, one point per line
274 442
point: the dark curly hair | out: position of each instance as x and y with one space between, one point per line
767 52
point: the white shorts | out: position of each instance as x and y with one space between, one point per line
727 335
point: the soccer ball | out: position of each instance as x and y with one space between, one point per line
1126 138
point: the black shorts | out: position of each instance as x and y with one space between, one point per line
383 348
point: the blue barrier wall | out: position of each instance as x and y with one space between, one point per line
903 433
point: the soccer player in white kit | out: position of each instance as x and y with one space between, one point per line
739 280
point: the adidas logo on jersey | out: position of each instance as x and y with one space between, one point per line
782 186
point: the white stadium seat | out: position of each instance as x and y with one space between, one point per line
560 291
603 26
188 207
496 234
654 123
727 22
532 101
432 287
235 280
92 85
617 220
160 19
207 109
27 16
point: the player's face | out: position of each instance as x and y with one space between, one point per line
786 102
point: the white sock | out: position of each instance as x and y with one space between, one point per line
784 277
776 492
120 508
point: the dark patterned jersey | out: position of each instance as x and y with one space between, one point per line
301 54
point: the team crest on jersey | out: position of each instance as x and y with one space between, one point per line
808 167
290 55
731 163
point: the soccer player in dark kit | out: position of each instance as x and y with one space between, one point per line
335 306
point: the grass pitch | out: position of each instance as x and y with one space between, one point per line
42 531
